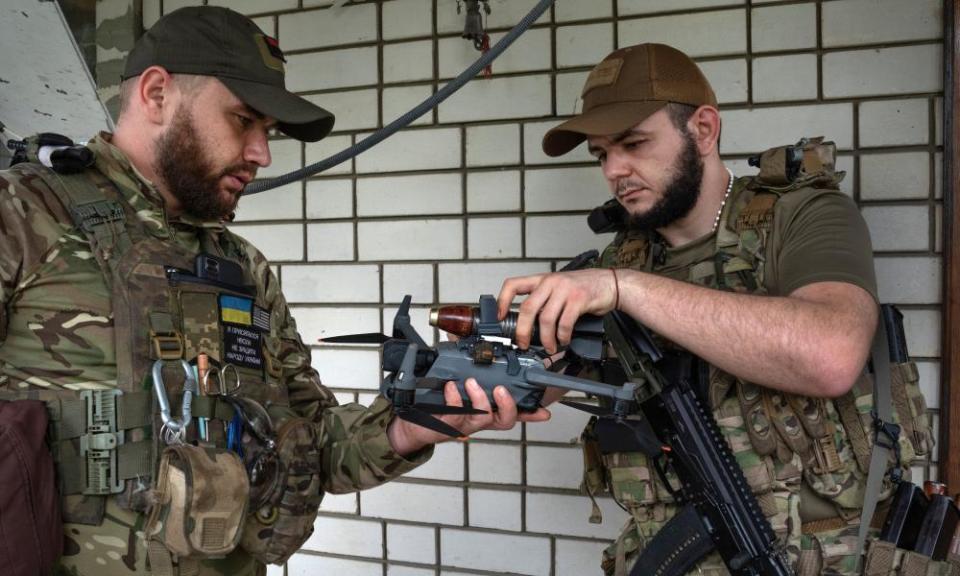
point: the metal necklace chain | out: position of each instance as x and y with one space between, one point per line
716 221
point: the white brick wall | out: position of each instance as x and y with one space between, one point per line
697 34
354 109
446 209
777 78
496 509
529 96
409 195
894 122
413 150
788 27
472 549
408 61
411 543
329 27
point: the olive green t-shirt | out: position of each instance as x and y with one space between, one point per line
816 236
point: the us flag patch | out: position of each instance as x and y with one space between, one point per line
261 318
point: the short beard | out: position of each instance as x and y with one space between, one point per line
680 194
188 173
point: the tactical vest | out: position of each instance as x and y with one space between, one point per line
832 439
108 442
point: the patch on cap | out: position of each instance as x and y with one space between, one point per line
603 74
270 51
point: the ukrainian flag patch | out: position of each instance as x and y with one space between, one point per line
236 310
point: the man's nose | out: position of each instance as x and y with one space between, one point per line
615 166
257 148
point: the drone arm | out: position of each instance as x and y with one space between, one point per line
401 323
542 377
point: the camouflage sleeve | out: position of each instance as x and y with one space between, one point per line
356 453
29 230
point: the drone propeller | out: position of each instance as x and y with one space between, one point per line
366 338
420 418
445 409
401 330
590 408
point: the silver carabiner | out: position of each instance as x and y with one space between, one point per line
175 426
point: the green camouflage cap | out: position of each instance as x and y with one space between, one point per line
216 41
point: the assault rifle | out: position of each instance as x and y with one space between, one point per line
659 416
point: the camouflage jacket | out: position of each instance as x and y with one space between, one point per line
57 321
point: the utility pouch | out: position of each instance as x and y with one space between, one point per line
31 532
906 544
885 559
904 382
201 500
289 497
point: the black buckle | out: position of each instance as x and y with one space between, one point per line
887 435
96 213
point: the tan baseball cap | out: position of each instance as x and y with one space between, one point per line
216 41
625 88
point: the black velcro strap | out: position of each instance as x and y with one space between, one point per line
89 216
677 547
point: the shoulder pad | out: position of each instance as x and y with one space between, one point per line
809 161
53 151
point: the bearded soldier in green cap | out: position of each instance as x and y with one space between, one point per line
190 434
769 279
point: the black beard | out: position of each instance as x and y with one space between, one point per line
187 171
681 193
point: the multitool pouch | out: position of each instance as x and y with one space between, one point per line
201 499
285 488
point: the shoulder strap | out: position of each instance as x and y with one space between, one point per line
92 202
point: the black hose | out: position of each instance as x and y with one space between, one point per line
418 111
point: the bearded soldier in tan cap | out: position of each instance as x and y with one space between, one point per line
769 279
190 434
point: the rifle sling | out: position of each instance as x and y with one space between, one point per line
677 547
883 405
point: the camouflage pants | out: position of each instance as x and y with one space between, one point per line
117 548
830 553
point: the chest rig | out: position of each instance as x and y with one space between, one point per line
106 441
833 438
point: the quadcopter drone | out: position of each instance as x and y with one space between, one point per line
418 372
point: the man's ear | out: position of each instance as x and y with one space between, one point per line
704 124
155 94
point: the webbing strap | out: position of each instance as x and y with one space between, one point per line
914 564
72 419
883 407
71 432
161 563
850 418
68 416
135 410
135 459
211 407
881 558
